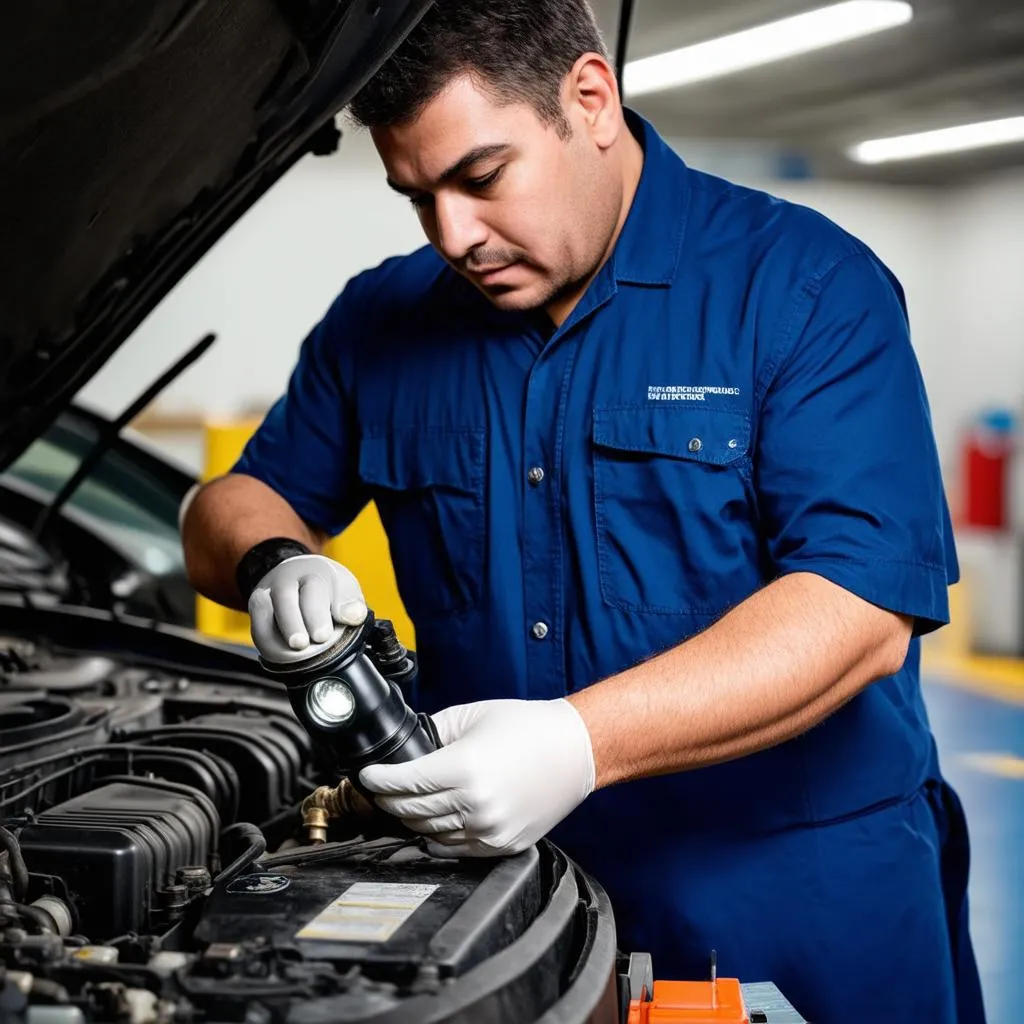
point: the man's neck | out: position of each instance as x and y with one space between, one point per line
632 167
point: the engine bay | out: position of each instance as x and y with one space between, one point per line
155 868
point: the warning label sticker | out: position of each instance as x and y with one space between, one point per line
367 912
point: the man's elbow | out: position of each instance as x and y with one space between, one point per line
194 514
205 521
894 644
186 504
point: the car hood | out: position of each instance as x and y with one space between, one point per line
132 136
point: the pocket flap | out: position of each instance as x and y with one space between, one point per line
408 458
714 436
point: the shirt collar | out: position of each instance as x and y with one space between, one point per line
647 251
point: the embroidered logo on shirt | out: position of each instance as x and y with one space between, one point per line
686 393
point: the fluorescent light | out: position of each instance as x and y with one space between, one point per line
775 41
943 140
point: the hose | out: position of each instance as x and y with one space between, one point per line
19 873
43 923
256 848
330 851
49 990
8 908
47 779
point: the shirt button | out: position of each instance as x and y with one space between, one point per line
695 444
535 476
539 630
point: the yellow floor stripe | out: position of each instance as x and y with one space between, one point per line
999 678
1007 766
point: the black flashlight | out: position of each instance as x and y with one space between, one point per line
348 698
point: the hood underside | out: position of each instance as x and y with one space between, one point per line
132 135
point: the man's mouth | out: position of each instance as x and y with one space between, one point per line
487 275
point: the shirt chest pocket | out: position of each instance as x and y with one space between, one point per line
673 508
428 485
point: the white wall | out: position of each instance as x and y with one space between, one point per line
959 254
983 342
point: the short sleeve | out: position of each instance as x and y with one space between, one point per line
847 472
306 449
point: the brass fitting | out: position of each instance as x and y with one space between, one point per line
327 802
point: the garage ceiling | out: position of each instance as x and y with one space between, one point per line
957 62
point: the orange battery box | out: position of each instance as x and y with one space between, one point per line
691 1002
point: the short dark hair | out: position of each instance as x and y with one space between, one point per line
519 50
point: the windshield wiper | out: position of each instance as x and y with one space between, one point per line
110 432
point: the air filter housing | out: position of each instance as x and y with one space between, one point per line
117 846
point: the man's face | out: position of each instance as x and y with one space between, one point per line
525 214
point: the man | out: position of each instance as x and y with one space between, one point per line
655 462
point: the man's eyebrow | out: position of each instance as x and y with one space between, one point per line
460 165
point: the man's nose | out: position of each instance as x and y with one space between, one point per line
459 229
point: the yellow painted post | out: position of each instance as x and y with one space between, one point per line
224 442
363 548
957 635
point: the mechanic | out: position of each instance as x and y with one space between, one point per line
655 461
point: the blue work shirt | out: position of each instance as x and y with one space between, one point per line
734 398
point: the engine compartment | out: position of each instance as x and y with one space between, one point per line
155 869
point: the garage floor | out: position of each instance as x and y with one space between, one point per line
977 713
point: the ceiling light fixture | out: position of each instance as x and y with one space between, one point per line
775 41
939 142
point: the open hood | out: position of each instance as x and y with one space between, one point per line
132 136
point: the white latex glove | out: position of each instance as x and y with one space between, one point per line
302 601
508 772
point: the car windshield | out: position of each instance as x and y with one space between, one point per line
122 503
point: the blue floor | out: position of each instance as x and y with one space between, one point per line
981 743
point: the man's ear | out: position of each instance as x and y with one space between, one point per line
591 93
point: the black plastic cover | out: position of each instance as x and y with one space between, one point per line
116 846
510 941
477 907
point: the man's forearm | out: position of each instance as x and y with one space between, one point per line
773 667
225 519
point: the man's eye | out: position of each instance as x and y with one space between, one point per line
425 200
479 184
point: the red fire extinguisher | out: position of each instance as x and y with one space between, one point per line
988 451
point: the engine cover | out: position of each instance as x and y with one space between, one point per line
117 848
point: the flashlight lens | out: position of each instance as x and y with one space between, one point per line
330 702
